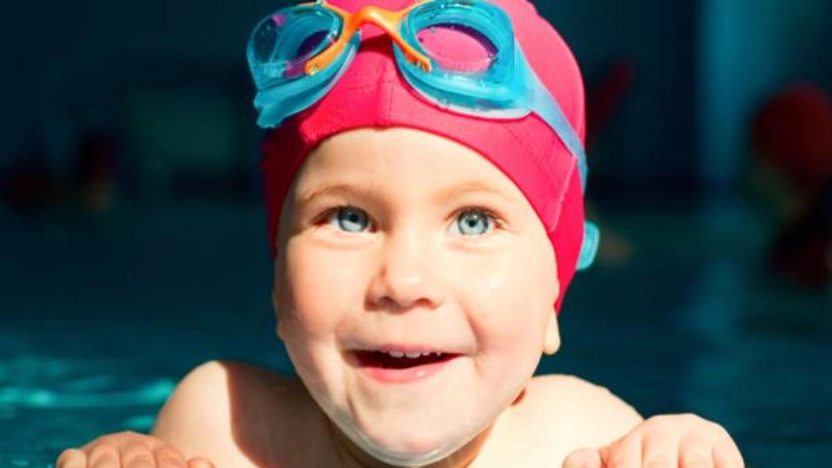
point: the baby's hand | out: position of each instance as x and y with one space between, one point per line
677 441
128 450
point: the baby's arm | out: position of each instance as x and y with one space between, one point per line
616 436
194 426
579 414
198 416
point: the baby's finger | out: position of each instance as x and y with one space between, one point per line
103 455
727 454
660 449
200 462
696 450
137 455
583 458
168 457
71 458
623 453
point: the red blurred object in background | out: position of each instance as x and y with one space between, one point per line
792 137
793 132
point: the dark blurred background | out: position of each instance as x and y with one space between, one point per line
698 68
132 243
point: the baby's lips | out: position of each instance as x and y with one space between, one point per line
397 359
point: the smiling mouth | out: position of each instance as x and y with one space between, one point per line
400 359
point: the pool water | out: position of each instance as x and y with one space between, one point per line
102 315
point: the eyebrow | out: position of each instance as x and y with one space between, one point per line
471 187
451 192
335 189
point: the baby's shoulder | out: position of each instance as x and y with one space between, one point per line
219 410
233 386
570 408
571 391
242 378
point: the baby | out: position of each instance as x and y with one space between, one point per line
424 190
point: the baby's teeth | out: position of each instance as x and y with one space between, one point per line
411 355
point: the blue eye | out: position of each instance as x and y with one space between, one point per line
350 219
474 222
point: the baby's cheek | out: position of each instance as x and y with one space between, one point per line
518 294
509 307
324 289
313 306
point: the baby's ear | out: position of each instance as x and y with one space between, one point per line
551 340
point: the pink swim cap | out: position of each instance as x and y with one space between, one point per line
373 93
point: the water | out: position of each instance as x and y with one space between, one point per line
101 316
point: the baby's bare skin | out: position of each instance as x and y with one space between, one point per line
237 415
377 257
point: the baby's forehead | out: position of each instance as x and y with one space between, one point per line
397 162
412 154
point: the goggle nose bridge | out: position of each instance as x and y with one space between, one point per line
387 20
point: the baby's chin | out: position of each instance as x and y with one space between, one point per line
411 447
412 454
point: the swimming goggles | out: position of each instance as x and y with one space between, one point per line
298 54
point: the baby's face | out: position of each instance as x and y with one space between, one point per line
414 288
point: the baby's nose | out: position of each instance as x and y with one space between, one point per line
408 274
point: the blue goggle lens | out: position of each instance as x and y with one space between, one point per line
472 53
281 44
